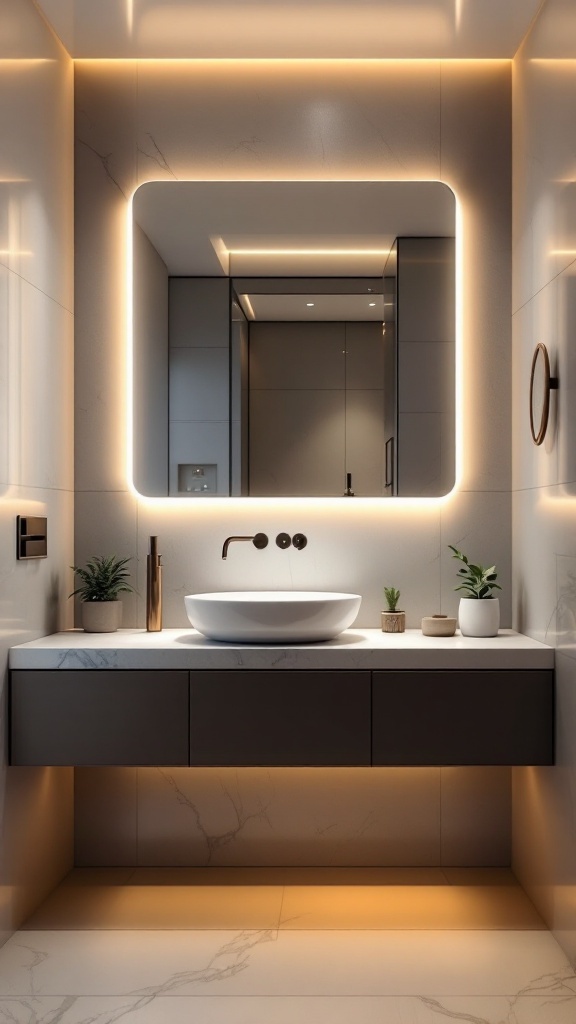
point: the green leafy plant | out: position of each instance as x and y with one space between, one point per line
102 578
477 581
392 597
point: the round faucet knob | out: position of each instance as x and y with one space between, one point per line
283 540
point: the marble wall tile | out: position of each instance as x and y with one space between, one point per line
105 177
266 817
36 359
544 820
105 816
34 594
544 188
475 162
347 551
37 838
544 555
477 524
475 815
297 816
36 181
543 546
40 377
111 524
535 322
267 120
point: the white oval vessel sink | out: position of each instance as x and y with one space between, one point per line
272 616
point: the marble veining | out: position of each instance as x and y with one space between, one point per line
87 659
105 159
286 1010
156 154
266 975
241 817
353 649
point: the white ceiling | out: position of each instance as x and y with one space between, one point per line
284 28
313 307
287 228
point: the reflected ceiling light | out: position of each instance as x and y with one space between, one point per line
309 303
248 308
308 252
373 303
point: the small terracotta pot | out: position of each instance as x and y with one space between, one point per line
101 616
393 622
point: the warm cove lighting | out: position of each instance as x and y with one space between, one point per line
376 503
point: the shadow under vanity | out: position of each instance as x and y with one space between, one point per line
364 699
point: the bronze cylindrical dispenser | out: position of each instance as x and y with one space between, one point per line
153 588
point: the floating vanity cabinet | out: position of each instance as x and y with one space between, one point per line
99 717
466 717
279 717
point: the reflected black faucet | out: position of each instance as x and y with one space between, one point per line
259 540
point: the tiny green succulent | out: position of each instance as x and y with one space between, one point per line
392 597
475 579
102 578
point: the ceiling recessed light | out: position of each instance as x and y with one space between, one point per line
371 303
309 303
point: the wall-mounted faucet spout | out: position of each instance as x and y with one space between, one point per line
259 540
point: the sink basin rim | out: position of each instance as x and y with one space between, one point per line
272 616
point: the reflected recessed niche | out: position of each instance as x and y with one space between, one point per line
291 335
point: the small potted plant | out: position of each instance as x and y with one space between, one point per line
479 610
393 621
102 579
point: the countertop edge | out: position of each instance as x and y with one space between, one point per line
369 649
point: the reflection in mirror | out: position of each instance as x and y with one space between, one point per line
294 339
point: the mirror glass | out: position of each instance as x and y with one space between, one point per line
293 339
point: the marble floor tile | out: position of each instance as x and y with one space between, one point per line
159 964
420 906
289 1010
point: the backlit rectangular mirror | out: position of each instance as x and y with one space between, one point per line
293 339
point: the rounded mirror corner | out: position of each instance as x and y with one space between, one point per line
541 384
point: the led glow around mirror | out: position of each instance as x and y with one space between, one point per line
294 220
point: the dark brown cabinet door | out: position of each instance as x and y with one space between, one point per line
103 717
279 718
463 717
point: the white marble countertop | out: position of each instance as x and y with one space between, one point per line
356 648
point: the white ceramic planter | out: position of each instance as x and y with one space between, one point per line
101 616
479 618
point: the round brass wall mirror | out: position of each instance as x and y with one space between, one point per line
541 384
